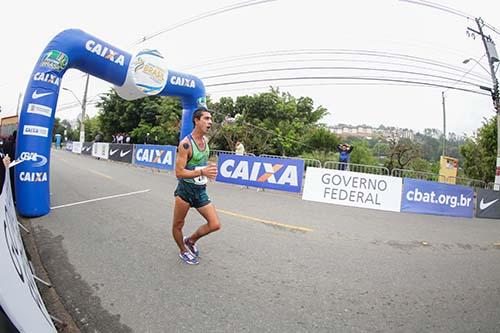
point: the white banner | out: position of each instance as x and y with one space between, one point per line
19 295
77 147
101 150
353 189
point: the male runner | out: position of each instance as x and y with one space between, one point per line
192 171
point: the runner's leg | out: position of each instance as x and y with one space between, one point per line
210 214
181 208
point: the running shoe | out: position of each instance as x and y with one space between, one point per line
191 247
188 258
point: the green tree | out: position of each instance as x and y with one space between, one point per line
271 122
479 152
362 154
431 148
321 139
158 115
60 126
401 153
92 127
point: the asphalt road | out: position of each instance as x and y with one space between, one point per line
279 264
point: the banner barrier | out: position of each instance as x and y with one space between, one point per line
488 204
121 152
353 189
155 156
100 150
19 296
264 172
77 147
87 148
427 197
69 145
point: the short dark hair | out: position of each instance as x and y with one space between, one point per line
198 112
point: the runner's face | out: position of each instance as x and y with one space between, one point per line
205 122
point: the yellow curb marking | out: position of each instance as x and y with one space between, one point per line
277 224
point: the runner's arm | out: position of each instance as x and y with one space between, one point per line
183 153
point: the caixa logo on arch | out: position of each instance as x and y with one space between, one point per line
274 173
37 159
32 177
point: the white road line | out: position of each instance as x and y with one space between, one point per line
99 199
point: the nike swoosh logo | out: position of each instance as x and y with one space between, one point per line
112 152
37 95
124 153
483 205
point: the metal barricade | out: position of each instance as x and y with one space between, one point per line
493 186
308 162
476 183
406 173
362 168
214 154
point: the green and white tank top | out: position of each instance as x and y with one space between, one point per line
198 160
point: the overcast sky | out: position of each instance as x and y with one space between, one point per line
280 34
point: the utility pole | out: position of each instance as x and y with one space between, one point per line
444 124
84 105
19 103
492 56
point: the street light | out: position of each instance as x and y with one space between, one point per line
76 97
477 62
83 104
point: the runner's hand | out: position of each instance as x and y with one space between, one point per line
210 171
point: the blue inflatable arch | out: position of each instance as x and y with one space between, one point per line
134 76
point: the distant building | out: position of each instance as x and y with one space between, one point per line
8 125
369 132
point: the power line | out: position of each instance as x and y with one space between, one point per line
440 7
323 51
202 16
396 64
320 85
460 80
333 68
344 78
450 10
355 52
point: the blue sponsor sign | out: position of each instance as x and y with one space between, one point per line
274 173
426 197
155 156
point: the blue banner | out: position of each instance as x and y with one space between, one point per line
426 197
274 173
155 156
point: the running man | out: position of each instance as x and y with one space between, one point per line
192 171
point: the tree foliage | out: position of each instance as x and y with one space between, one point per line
402 152
272 123
63 125
480 151
158 115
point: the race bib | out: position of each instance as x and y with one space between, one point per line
200 180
